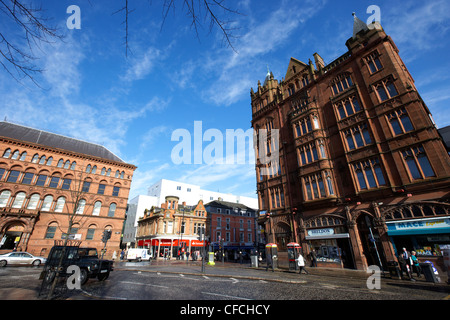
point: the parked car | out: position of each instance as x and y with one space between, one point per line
16 258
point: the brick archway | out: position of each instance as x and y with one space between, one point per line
26 224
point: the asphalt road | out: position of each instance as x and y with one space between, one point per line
178 281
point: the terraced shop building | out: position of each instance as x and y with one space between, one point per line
46 178
363 171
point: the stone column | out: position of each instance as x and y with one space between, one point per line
355 240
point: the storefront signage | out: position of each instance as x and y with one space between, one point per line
421 226
320 232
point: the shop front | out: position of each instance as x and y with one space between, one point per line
331 246
428 237
167 248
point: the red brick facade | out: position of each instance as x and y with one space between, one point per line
358 151
172 230
37 184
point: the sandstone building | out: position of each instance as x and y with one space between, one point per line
44 177
363 171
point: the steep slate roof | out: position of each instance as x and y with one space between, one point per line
18 132
228 205
358 25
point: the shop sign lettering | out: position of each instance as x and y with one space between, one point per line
320 232
423 224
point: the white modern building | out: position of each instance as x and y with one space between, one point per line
188 193
135 209
191 194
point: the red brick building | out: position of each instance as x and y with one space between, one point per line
232 229
172 229
44 177
363 171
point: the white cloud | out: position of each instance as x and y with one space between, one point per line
142 179
141 65
60 62
232 72
417 26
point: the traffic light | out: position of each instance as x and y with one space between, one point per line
106 236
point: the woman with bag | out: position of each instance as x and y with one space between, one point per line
415 263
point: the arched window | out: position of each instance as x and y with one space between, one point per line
18 201
122 175
117 174
103 171
33 202
35 158
74 164
108 173
97 207
15 155
112 210
80 207
91 232
13 176
4 198
60 204
94 169
7 153
67 164
42 160
47 204
60 163
23 156
51 229
49 161
88 168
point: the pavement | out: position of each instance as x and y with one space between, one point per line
227 269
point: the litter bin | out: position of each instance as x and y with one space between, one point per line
271 256
427 269
394 270
211 259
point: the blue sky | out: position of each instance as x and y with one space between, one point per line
90 90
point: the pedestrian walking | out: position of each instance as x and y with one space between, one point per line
301 264
415 263
313 258
405 265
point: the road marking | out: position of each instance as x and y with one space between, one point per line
234 280
102 297
144 284
226 296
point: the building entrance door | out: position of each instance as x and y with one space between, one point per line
370 240
11 238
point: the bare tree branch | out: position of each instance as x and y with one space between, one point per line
18 59
193 9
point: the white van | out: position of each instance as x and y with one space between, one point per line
138 254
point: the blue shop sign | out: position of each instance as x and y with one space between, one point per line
419 226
